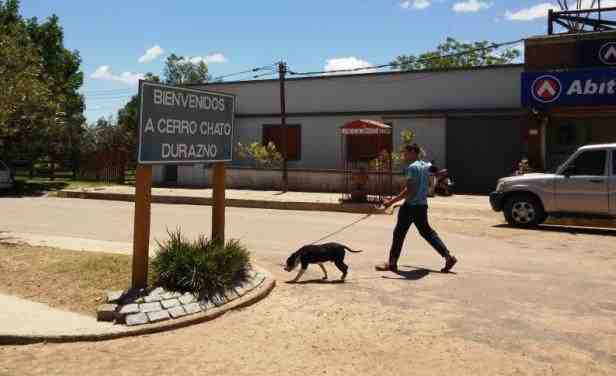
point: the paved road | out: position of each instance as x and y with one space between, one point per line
522 302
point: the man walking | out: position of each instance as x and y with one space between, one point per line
415 210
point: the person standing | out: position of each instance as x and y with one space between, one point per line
415 210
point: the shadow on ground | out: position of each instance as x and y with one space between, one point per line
316 280
24 188
416 273
565 228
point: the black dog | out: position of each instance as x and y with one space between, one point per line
318 254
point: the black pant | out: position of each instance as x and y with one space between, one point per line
408 215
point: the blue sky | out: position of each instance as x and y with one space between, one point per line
113 37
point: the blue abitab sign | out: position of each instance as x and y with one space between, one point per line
573 88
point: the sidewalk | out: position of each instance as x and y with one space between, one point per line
263 199
23 318
23 321
233 198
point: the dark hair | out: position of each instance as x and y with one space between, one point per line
413 147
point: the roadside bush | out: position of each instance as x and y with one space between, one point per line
203 267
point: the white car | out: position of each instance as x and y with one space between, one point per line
6 181
584 186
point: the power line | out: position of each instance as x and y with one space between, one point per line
263 75
111 95
253 70
116 98
374 67
105 91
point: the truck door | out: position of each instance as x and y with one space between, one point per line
582 186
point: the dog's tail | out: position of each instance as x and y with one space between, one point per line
350 250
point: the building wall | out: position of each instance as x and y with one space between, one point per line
483 149
495 87
320 144
321 147
257 179
320 138
420 101
429 133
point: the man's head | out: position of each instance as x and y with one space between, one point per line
411 152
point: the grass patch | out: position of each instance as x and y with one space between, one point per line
202 267
70 280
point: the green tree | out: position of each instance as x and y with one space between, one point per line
108 135
407 137
179 71
41 111
26 100
464 55
63 75
25 97
264 156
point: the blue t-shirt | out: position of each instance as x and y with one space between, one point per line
419 173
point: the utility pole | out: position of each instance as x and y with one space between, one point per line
282 71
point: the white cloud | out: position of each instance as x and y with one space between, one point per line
586 4
350 62
541 10
104 72
209 59
532 13
471 6
215 58
416 4
151 54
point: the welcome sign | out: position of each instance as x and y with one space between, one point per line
181 125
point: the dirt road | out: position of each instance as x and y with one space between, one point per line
522 302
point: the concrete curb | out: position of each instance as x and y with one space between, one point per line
230 202
250 298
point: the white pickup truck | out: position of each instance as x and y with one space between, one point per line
6 181
583 186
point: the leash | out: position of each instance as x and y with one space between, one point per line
343 228
389 211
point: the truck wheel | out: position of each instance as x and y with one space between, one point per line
524 211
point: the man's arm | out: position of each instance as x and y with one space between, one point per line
408 192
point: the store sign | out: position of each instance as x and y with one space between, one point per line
179 125
594 53
573 88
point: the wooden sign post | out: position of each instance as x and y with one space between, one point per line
141 233
179 125
218 196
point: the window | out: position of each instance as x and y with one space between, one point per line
591 163
3 167
273 133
